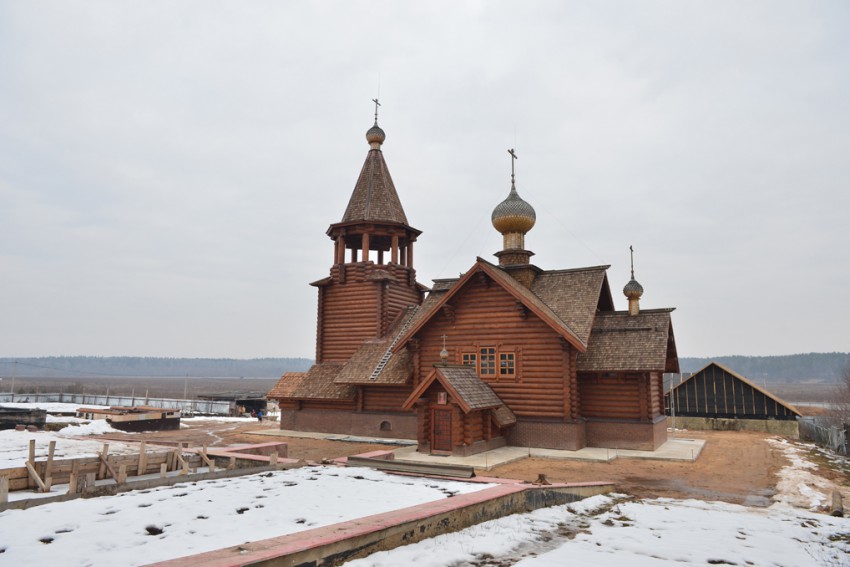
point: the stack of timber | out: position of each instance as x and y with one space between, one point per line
12 417
135 418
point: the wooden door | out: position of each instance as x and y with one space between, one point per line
441 430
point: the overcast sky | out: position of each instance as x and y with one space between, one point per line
168 169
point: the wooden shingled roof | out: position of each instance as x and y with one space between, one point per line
286 385
573 295
464 385
374 197
316 383
623 342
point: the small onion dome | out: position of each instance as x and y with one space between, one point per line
375 136
633 289
513 214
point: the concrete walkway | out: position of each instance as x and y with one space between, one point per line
672 450
675 449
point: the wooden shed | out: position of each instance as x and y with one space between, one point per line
718 392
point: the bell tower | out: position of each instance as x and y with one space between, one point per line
372 277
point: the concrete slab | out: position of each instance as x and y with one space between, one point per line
675 449
672 450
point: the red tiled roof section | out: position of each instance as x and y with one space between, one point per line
317 383
374 197
572 295
623 342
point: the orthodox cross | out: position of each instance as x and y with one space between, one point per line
632 254
513 160
377 104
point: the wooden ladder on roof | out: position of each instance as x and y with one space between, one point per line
387 355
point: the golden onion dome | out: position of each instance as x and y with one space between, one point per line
513 214
375 136
633 289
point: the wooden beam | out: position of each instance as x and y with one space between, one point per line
34 475
48 466
107 467
143 460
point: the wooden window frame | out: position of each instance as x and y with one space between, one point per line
469 357
488 355
497 351
507 364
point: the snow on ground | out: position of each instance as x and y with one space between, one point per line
615 530
605 531
136 528
798 484
14 445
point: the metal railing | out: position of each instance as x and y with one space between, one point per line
186 406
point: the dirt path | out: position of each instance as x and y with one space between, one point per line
738 467
735 466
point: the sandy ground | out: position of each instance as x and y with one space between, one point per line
735 466
221 434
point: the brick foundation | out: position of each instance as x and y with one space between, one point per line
569 436
641 436
401 425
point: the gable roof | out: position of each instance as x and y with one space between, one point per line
463 384
623 342
573 295
509 284
753 385
374 197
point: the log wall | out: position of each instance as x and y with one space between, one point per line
483 314
383 398
611 397
359 303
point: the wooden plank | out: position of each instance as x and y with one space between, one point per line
4 489
108 467
143 459
34 475
72 480
101 469
48 473
460 471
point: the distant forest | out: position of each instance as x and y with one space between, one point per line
810 367
131 366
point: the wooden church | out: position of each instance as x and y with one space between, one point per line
506 354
